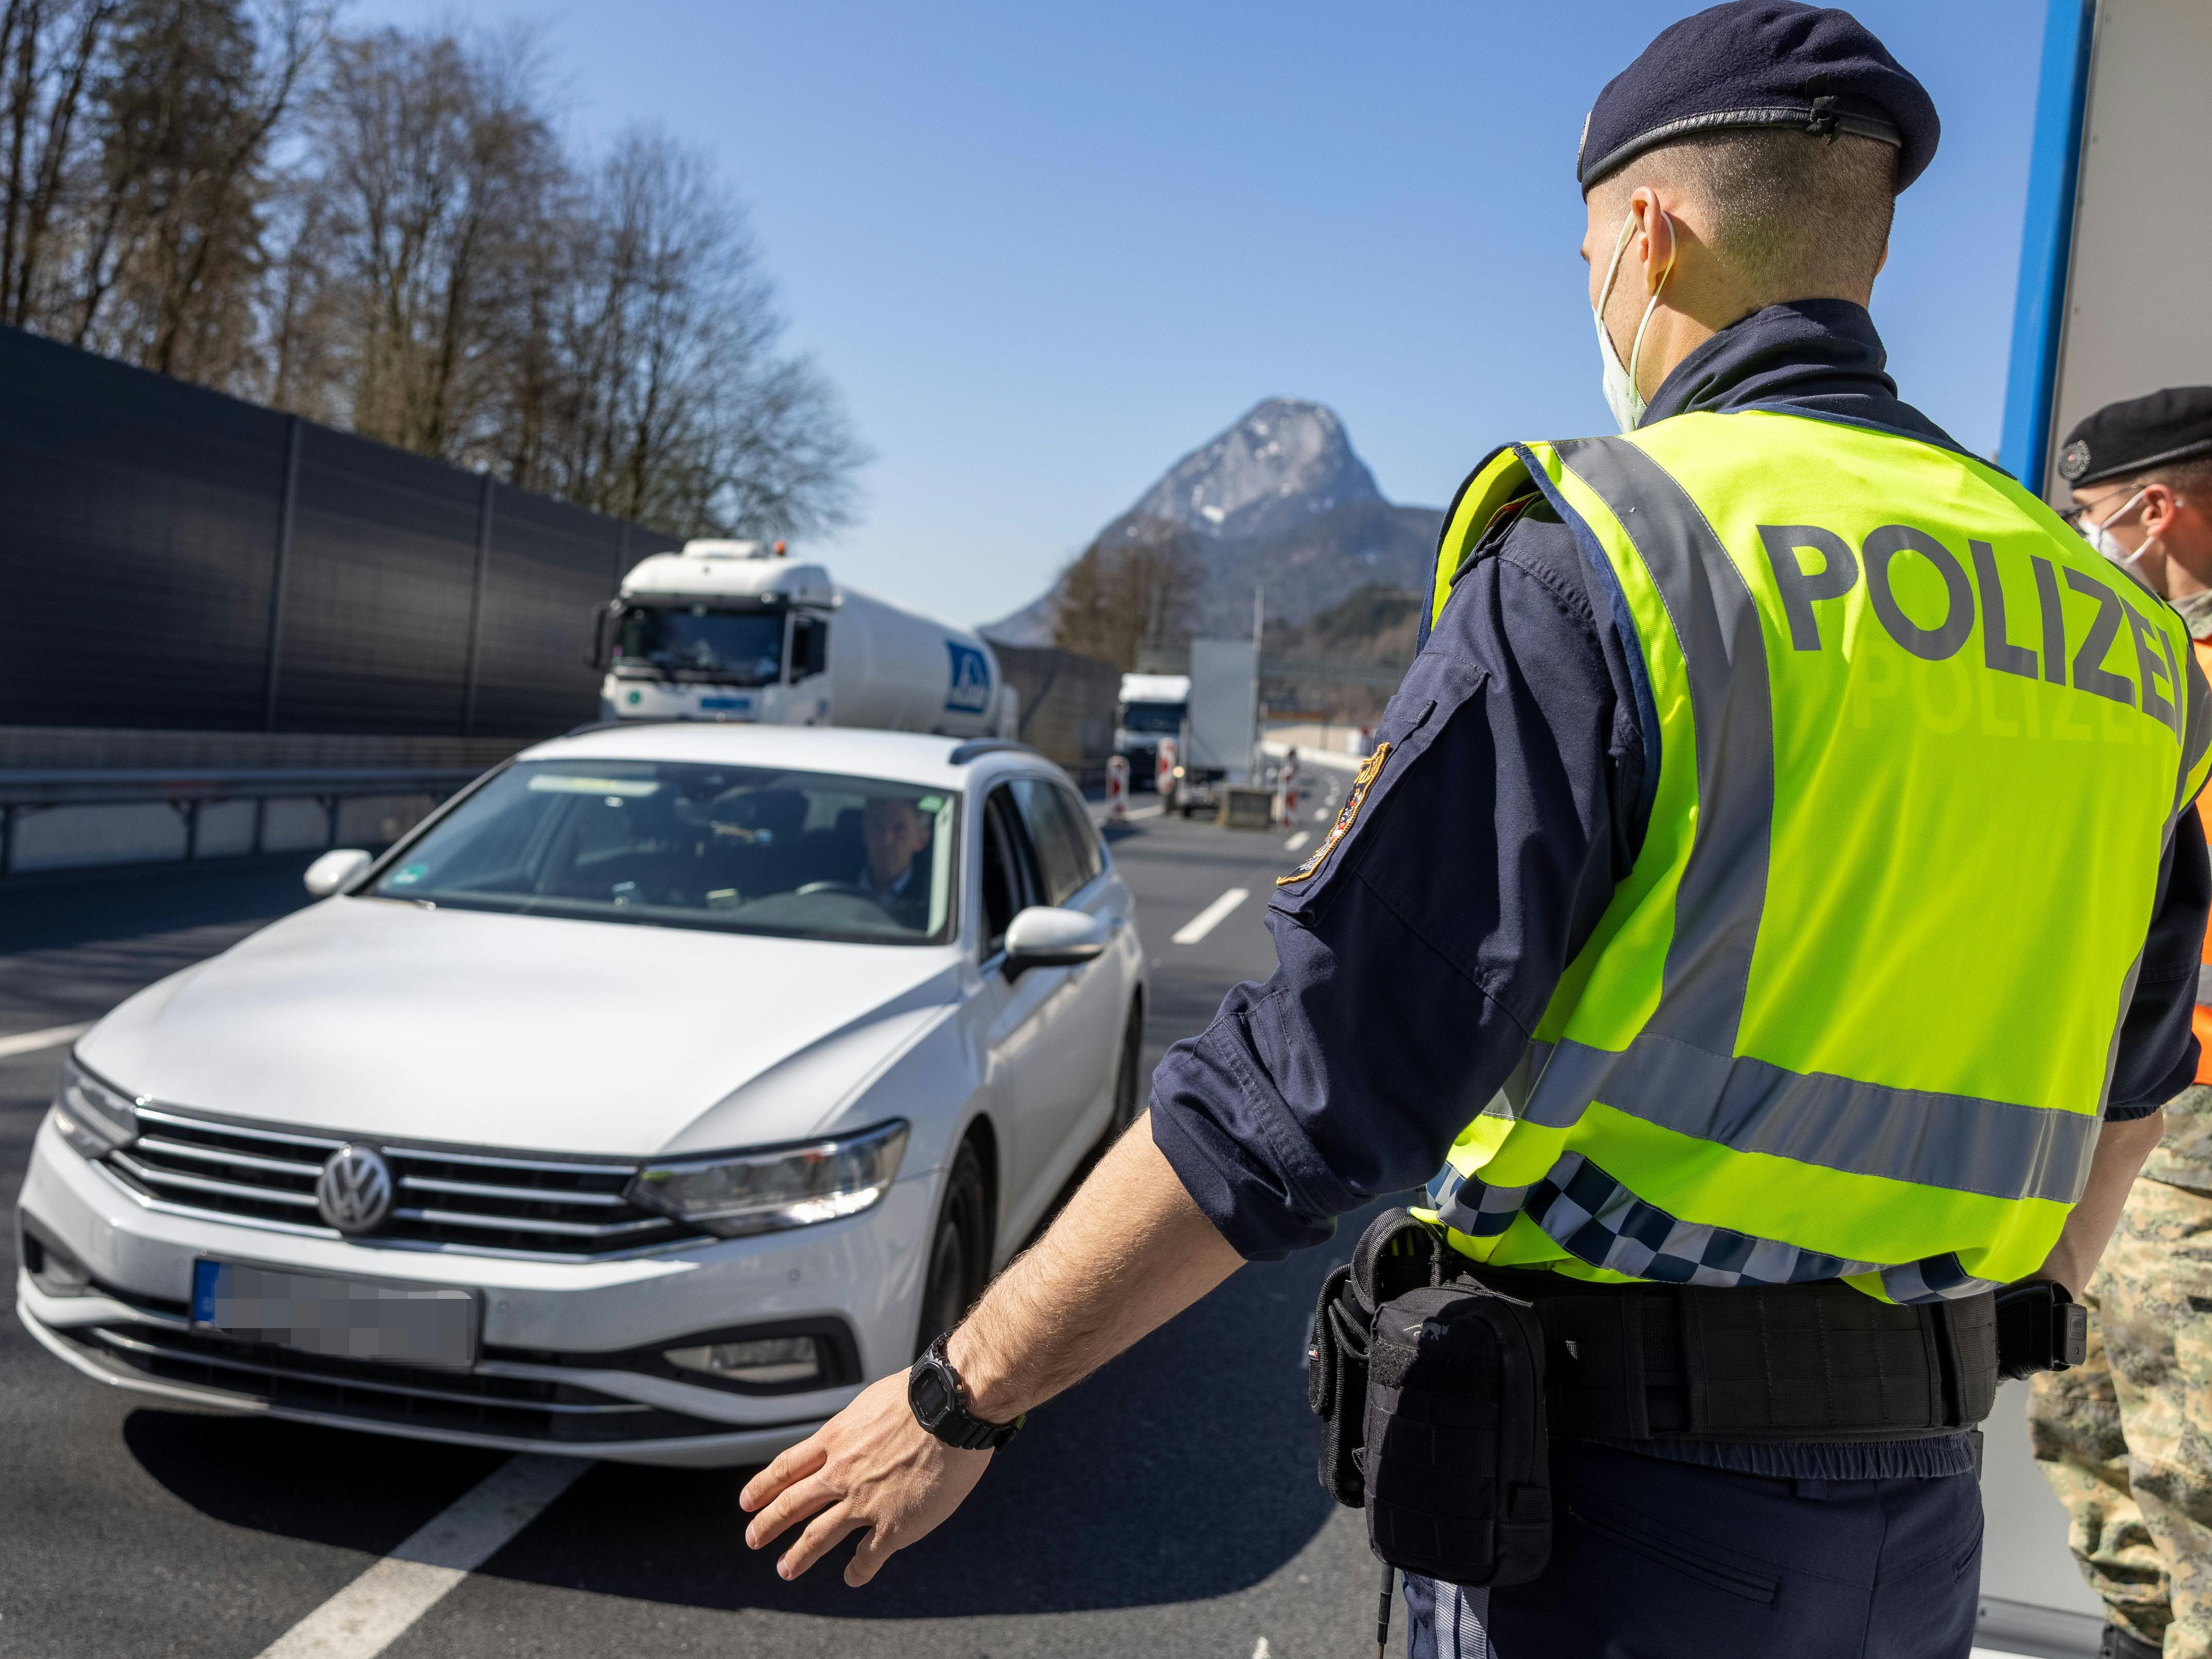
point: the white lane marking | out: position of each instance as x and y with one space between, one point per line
1298 840
1211 917
1262 1651
29 1042
372 1612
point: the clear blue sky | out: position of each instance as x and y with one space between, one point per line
1044 250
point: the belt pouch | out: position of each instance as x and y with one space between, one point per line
1457 1464
1336 1383
1395 1254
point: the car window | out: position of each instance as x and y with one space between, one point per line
1003 894
736 848
1064 864
1088 847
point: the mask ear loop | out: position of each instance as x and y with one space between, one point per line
1635 346
1612 270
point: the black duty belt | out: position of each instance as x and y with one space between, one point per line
1786 1362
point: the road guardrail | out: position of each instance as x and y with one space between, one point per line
186 791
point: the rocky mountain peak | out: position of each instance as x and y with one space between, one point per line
1285 462
1278 500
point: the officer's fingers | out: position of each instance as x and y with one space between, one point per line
795 1464
793 1503
818 1540
870 1554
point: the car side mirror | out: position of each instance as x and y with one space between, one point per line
1044 937
335 869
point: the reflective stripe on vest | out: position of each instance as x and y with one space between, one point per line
1817 1034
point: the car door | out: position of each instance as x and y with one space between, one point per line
1083 1012
1018 1057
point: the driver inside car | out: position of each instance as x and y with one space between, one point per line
895 833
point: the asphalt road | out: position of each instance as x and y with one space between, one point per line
1167 1506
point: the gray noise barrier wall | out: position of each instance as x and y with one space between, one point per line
173 558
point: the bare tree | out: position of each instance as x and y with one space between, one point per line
191 98
382 231
679 407
51 51
1133 591
435 174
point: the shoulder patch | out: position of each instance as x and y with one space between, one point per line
1369 769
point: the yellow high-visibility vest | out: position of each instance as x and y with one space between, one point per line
1853 1012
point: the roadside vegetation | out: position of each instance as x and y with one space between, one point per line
390 232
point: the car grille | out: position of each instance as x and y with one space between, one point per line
372 1391
461 1200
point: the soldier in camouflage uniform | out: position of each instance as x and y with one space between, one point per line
2126 1438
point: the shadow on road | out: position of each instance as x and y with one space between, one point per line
1183 1471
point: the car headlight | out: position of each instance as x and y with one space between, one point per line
91 1116
777 1187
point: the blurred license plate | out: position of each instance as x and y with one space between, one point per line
346 1318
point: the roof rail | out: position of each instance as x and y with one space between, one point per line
649 720
977 748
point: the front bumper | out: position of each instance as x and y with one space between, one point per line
554 1373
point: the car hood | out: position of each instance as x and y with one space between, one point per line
376 1017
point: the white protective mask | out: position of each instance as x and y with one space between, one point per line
1621 394
2100 537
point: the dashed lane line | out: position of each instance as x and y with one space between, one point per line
1211 917
29 1042
1298 840
379 1607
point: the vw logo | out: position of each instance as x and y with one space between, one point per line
354 1192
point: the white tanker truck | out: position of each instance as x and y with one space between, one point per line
729 630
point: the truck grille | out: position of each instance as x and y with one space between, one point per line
463 1200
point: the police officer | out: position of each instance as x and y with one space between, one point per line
2126 1439
1760 897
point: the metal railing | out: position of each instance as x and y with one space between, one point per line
187 791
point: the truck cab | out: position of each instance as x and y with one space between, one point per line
1152 706
724 630
734 631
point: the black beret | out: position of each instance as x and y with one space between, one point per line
1760 64
2173 425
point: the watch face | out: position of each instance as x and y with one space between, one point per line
929 1397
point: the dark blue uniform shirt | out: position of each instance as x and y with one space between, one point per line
1413 971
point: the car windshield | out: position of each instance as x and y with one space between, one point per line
736 647
1164 717
742 849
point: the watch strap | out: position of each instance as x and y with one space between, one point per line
957 1425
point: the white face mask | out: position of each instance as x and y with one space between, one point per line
2100 535
1621 394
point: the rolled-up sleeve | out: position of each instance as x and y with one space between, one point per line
1419 948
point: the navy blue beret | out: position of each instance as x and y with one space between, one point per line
1760 63
2119 439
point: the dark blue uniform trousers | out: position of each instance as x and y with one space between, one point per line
1653 1560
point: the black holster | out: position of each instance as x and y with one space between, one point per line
1437 1380
1431 1393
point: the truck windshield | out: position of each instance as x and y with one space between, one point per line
733 647
1161 717
662 843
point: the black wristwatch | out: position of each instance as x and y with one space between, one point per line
939 1400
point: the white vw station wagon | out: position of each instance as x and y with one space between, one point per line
664 1086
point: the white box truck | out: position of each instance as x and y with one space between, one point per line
734 630
1221 724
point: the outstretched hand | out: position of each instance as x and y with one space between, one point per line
1130 1250
871 1466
